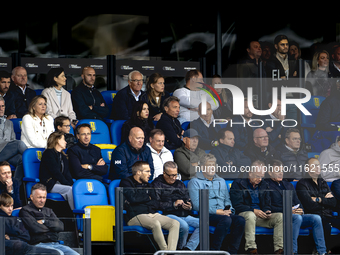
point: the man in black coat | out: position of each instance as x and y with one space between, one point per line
125 98
141 204
88 102
22 94
175 203
260 148
230 160
170 125
42 223
292 154
277 186
85 159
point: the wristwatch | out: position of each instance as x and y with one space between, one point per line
317 200
90 167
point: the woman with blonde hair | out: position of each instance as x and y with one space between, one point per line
318 80
36 124
54 170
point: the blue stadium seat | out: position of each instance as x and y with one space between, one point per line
106 154
313 154
38 91
31 163
308 121
108 96
185 125
100 133
116 131
17 127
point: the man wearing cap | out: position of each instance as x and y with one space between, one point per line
188 155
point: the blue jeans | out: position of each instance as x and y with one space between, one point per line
62 249
309 220
222 224
185 222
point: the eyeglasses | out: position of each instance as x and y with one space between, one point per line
171 175
262 137
297 139
67 126
137 81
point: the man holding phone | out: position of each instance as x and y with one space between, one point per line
175 203
251 199
277 185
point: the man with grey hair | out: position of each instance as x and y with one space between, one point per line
175 203
11 150
125 98
292 154
251 199
221 212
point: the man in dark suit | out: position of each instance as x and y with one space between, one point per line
22 94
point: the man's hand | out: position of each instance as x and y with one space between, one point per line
297 211
187 206
329 195
261 214
86 166
91 107
9 184
101 162
7 237
102 104
223 212
40 221
12 116
178 202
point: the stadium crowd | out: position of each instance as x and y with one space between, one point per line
170 148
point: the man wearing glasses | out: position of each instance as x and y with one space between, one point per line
126 97
175 202
260 148
293 155
141 204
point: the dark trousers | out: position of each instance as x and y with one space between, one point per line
222 224
328 223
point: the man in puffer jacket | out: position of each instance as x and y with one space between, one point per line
330 162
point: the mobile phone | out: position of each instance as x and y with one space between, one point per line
227 207
268 213
74 121
296 206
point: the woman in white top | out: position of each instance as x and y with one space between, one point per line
36 124
58 99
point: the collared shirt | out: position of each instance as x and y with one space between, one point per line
22 89
206 123
136 96
254 193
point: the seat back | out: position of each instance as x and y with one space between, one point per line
106 154
313 106
108 96
114 184
116 131
17 127
88 192
99 131
185 125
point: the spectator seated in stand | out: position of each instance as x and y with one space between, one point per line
141 118
125 98
88 102
63 124
189 155
159 153
126 154
330 162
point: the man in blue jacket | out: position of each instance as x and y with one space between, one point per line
88 102
128 153
221 213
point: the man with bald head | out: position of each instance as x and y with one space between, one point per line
21 93
88 102
260 148
129 152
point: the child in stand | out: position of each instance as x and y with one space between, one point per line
63 123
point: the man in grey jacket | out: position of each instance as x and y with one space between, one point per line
330 162
11 150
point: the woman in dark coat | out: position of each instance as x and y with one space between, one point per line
54 168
